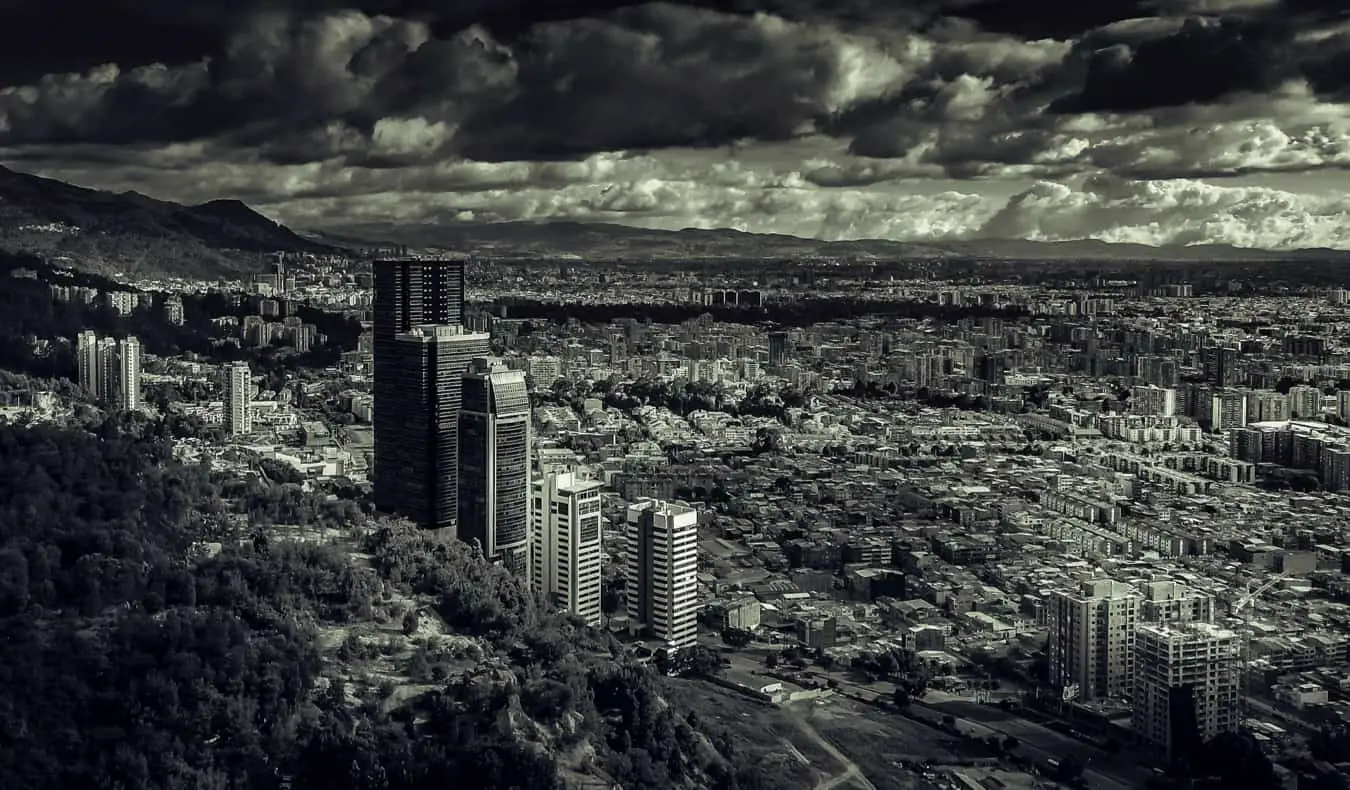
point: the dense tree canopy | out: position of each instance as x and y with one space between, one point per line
156 631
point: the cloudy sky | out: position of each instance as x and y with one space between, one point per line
1155 121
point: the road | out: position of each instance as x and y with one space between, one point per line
851 771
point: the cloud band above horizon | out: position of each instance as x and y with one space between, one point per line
1158 121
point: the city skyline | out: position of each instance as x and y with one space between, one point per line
1162 122
493 477
1084 519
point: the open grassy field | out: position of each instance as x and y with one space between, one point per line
879 742
833 743
761 731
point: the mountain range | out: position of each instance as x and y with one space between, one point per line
133 234
597 241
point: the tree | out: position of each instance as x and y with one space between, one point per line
611 598
195 669
1011 743
901 698
1070 769
700 660
419 664
1232 760
410 622
279 473
771 660
737 637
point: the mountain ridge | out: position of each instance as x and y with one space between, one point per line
134 233
609 240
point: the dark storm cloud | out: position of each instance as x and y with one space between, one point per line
648 77
656 77
1328 71
1045 18
957 85
74 35
279 76
1202 62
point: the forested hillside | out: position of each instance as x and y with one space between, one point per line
37 331
157 631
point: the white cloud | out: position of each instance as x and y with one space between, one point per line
1174 212
371 142
410 136
873 198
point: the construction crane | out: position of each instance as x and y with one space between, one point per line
1243 607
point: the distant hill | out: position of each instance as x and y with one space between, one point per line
609 241
135 234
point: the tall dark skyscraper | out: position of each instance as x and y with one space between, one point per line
408 294
778 348
419 437
494 463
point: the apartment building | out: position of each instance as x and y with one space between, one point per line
565 544
1168 601
238 399
662 570
1186 684
1092 639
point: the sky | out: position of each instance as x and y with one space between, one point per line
1153 121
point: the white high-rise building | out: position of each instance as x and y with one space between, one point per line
129 374
565 544
238 399
173 309
109 370
1092 639
1151 400
1191 661
662 570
